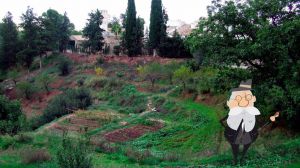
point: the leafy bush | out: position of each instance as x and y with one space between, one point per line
74 153
204 79
44 80
130 99
23 138
99 71
65 103
64 66
11 116
35 156
151 72
13 75
183 74
6 141
25 89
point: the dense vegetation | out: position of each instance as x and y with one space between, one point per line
262 35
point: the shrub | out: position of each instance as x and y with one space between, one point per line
99 71
24 138
80 82
44 80
25 89
74 153
64 66
13 75
35 156
6 141
151 72
65 103
183 74
130 99
11 116
204 79
119 74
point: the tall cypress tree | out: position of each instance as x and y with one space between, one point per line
157 24
140 35
9 35
131 29
65 31
93 32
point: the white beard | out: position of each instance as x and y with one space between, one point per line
247 114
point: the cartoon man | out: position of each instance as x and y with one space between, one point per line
241 127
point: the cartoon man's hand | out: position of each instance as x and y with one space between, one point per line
232 104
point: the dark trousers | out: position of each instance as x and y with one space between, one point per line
235 151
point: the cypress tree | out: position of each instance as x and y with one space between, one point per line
131 29
93 32
9 35
157 24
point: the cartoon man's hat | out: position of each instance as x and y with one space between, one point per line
244 85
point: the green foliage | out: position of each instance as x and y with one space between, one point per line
169 70
64 66
44 80
25 89
205 79
233 35
130 100
11 116
130 37
6 141
10 43
100 61
157 24
93 32
183 74
66 103
115 26
152 72
173 47
13 75
74 153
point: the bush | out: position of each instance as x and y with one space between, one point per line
23 138
35 156
6 141
65 103
25 89
204 80
130 99
44 80
151 72
64 66
74 153
183 74
11 116
99 71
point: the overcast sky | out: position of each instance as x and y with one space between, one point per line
185 10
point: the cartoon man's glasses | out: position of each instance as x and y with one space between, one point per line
239 98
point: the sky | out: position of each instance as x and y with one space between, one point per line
186 10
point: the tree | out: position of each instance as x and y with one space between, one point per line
66 28
157 24
44 80
264 36
9 34
52 23
169 70
151 72
115 26
130 29
11 116
30 38
140 35
183 74
25 89
173 47
93 32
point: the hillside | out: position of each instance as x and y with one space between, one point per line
130 123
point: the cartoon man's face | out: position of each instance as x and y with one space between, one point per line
241 99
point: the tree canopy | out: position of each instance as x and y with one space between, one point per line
262 35
93 32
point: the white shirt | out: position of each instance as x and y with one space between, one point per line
247 114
